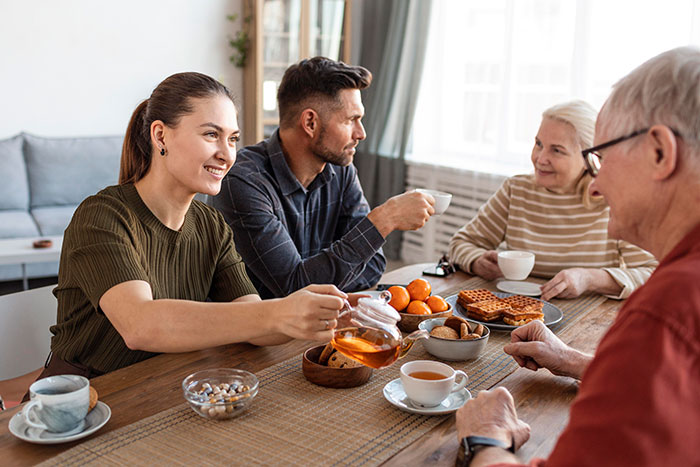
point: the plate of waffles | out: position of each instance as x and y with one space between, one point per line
502 311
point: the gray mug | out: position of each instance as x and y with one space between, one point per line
58 403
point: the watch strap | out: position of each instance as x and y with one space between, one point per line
470 444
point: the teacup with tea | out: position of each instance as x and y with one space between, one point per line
58 404
427 383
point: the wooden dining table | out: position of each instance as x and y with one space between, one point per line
144 389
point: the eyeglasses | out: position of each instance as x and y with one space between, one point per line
592 157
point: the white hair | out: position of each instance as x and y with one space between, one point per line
663 90
579 114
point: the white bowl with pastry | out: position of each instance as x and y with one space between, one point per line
454 338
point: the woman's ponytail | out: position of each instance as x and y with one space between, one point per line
136 150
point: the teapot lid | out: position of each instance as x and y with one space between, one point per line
379 309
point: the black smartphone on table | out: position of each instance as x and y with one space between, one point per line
436 271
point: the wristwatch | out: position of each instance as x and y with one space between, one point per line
470 445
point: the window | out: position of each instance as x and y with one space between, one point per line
493 66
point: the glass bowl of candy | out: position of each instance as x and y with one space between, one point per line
220 393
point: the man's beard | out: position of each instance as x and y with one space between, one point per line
324 153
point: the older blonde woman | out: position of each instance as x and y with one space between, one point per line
551 214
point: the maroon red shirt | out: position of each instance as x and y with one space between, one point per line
639 400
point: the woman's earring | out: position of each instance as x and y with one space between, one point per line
162 151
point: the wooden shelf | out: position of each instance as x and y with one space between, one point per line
254 72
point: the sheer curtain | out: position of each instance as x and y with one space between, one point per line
493 66
393 36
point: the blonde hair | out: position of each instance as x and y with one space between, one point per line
581 116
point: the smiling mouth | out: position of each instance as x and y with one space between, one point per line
215 171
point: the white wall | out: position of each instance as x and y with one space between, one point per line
80 67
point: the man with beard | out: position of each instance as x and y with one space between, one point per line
294 201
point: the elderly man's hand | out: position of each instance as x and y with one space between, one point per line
534 346
486 266
492 414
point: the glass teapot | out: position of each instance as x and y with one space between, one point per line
368 333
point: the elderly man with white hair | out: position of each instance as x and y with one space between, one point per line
639 399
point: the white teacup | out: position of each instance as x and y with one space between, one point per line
442 199
58 403
516 265
427 383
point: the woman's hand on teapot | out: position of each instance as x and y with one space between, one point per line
311 313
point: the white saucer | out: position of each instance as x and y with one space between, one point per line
520 288
93 422
394 393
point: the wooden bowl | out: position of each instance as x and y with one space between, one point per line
409 322
332 377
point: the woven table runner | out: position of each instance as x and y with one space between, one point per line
293 421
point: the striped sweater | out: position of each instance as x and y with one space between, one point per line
558 228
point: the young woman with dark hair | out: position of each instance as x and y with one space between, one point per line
145 268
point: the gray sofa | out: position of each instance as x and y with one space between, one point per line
42 181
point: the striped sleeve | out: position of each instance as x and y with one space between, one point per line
636 267
484 232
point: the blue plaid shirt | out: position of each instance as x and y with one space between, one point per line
290 236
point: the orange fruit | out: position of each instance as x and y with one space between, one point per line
437 304
418 307
419 289
399 297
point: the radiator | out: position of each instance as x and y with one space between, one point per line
469 189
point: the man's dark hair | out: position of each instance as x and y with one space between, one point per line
316 81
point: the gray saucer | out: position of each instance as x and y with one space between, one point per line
95 420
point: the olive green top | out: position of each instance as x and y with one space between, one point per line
113 238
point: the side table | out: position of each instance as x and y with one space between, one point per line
21 251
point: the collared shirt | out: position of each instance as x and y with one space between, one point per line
290 236
638 400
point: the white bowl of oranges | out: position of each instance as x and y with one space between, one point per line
415 304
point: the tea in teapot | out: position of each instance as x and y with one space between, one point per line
368 333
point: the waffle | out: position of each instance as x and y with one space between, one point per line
518 317
488 310
476 295
520 303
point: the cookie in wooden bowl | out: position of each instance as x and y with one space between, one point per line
340 375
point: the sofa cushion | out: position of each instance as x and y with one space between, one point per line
53 220
14 187
64 171
17 223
